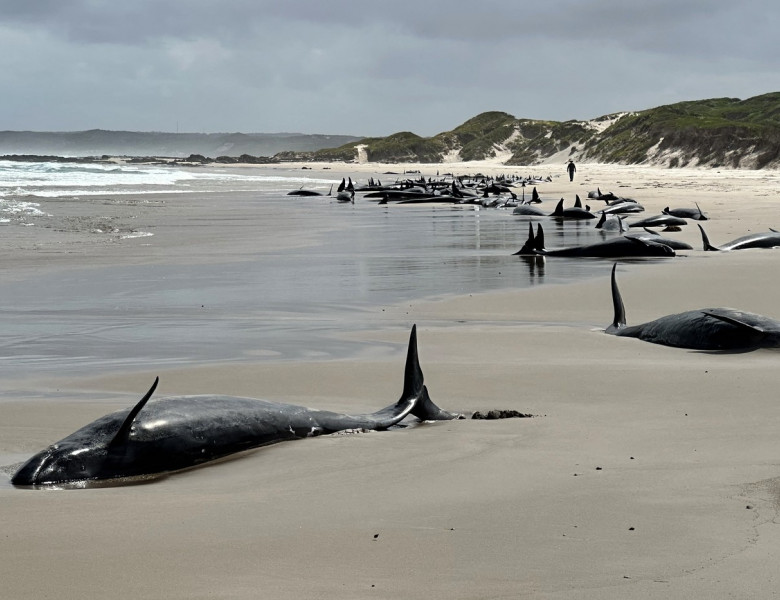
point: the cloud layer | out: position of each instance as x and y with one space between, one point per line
369 68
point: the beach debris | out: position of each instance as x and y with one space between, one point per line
501 414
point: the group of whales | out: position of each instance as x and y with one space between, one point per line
490 192
646 243
175 433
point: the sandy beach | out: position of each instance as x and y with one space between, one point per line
648 472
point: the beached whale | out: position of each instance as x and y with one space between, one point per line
686 213
611 223
653 236
660 221
176 433
623 208
770 239
703 329
305 192
573 212
618 247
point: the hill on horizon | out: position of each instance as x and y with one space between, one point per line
99 142
716 132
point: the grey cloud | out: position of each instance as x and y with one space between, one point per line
369 67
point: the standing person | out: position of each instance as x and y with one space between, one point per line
571 169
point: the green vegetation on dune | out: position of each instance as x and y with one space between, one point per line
552 137
478 138
404 147
715 132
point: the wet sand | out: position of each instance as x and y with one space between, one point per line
649 472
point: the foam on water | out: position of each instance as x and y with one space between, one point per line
57 180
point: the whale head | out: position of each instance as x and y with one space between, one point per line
63 462
100 450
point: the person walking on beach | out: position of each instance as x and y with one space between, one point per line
571 168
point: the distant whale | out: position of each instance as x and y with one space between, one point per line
611 223
704 329
176 433
686 213
660 221
770 239
574 212
652 236
304 192
618 247
623 208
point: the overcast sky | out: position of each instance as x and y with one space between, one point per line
370 67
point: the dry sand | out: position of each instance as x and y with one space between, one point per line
650 472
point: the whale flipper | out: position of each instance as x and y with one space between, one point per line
734 321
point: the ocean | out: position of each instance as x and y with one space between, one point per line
120 266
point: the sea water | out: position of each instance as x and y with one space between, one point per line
287 304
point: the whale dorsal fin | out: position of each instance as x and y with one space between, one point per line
705 241
577 201
558 208
413 375
528 247
539 239
602 220
619 319
124 430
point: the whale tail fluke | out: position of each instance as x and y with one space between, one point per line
619 319
706 241
415 391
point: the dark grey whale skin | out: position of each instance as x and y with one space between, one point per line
704 329
769 239
175 433
618 247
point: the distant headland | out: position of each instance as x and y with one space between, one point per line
718 132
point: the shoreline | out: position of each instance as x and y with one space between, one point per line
649 472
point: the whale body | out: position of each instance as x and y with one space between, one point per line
179 432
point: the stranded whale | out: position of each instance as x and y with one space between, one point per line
617 247
175 433
770 239
704 329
